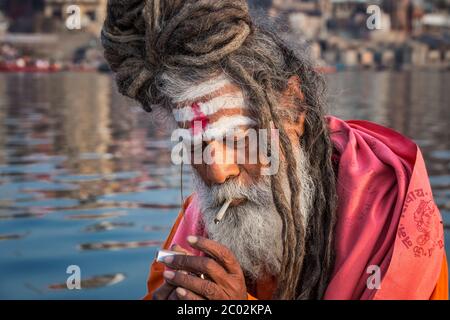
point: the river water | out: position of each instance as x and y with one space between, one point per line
86 178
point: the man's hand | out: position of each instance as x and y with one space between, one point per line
167 291
224 277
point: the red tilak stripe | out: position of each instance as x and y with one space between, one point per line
199 116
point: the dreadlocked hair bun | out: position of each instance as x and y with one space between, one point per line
141 38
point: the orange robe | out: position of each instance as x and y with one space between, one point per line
264 290
386 218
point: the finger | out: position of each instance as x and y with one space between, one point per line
184 294
195 284
222 254
196 265
163 292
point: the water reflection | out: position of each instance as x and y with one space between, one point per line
73 151
97 216
106 226
14 236
115 245
21 215
84 174
94 282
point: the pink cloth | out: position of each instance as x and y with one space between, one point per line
386 216
191 224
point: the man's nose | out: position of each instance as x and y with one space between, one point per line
223 166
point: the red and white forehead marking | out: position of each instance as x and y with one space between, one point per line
211 110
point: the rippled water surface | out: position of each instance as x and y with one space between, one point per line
86 179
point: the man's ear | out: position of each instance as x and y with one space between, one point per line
292 92
301 123
294 89
296 128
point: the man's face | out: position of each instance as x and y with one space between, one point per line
219 124
210 113
217 112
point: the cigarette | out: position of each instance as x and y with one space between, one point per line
222 211
165 253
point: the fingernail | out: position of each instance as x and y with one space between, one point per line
181 292
192 239
169 274
168 259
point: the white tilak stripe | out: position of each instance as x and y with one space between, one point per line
225 125
217 130
211 107
203 89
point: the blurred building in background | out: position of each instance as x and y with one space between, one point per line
22 15
413 33
36 16
37 28
401 13
260 4
93 12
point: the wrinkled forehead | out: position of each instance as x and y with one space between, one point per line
212 109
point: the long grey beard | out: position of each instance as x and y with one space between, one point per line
252 230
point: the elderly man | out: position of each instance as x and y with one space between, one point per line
329 209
